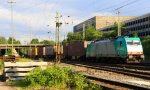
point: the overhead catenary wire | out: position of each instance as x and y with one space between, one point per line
113 6
127 4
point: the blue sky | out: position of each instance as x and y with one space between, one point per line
33 16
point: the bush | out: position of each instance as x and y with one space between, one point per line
146 47
56 77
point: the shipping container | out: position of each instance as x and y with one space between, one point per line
35 51
75 49
41 51
49 50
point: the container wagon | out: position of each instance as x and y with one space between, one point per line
75 50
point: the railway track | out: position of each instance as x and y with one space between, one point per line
133 66
143 75
119 70
114 84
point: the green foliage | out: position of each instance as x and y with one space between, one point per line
135 34
74 37
110 34
114 32
9 51
23 52
47 42
55 77
34 41
14 41
91 33
146 45
1 65
24 60
3 40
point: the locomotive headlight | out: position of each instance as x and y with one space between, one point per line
130 56
142 56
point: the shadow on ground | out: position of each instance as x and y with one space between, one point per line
2 78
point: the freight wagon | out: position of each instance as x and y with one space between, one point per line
41 52
48 51
75 50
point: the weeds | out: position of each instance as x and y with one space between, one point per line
55 77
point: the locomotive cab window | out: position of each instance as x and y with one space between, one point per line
133 42
136 42
129 42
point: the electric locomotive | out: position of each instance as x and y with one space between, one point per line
122 49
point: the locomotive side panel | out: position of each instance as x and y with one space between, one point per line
105 49
111 49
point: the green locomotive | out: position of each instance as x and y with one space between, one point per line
122 49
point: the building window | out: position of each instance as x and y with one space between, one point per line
146 18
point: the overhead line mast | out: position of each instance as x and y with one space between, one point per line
12 25
57 42
118 12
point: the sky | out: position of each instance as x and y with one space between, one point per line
35 18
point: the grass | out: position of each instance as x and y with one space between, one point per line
24 60
1 65
55 78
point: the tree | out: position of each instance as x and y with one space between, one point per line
47 42
135 34
91 33
34 41
74 37
114 32
3 40
14 41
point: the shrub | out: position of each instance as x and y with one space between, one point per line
56 77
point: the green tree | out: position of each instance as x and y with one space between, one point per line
14 41
91 33
3 40
47 42
34 41
74 37
114 32
135 34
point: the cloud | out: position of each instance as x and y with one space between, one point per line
35 15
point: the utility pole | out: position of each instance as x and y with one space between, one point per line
57 43
119 29
83 31
57 39
118 12
30 42
12 26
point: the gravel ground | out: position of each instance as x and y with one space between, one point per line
112 76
